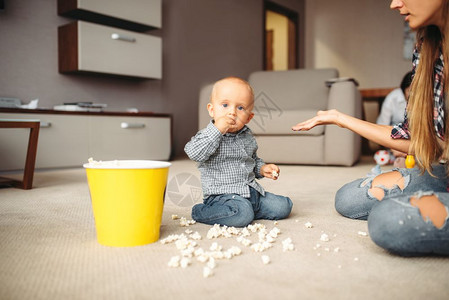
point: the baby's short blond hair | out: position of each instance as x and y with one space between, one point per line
232 79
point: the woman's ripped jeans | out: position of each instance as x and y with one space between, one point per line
407 211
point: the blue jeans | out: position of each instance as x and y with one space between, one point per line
397 226
234 210
353 200
393 223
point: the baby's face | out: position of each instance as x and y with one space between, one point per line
232 99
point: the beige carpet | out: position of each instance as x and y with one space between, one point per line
49 250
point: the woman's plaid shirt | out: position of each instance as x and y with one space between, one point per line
228 163
401 130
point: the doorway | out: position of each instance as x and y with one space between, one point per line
281 38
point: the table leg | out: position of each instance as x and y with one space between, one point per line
30 158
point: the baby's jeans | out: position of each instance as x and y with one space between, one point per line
394 223
235 210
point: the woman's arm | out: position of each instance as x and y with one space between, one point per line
380 134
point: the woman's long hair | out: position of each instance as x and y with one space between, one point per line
424 141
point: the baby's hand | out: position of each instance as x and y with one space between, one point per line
224 123
270 171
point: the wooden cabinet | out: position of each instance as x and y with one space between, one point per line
87 47
137 15
116 47
129 138
68 139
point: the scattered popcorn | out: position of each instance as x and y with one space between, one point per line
198 252
215 247
184 243
185 223
287 245
265 259
296 220
261 246
318 254
218 231
202 258
227 255
245 232
216 254
174 217
269 239
356 259
324 237
244 241
172 238
326 249
207 272
174 261
211 263
188 252
339 266
214 232
258 247
308 225
185 262
234 250
195 236
274 232
255 227
233 231
362 233
337 249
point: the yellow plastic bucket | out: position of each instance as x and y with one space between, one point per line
127 200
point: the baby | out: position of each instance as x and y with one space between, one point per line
226 154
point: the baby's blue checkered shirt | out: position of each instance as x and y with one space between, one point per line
228 162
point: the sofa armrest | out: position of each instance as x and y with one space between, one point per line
342 146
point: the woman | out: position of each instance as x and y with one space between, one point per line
407 209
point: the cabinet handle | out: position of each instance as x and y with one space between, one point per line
45 124
126 125
121 37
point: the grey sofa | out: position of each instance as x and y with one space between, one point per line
285 98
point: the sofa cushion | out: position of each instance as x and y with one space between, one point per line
269 122
293 89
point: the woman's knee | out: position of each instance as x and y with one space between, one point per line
352 201
356 199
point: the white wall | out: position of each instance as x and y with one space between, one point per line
361 38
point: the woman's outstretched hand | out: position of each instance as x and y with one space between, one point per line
325 117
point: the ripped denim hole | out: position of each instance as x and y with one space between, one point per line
368 180
387 191
427 219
